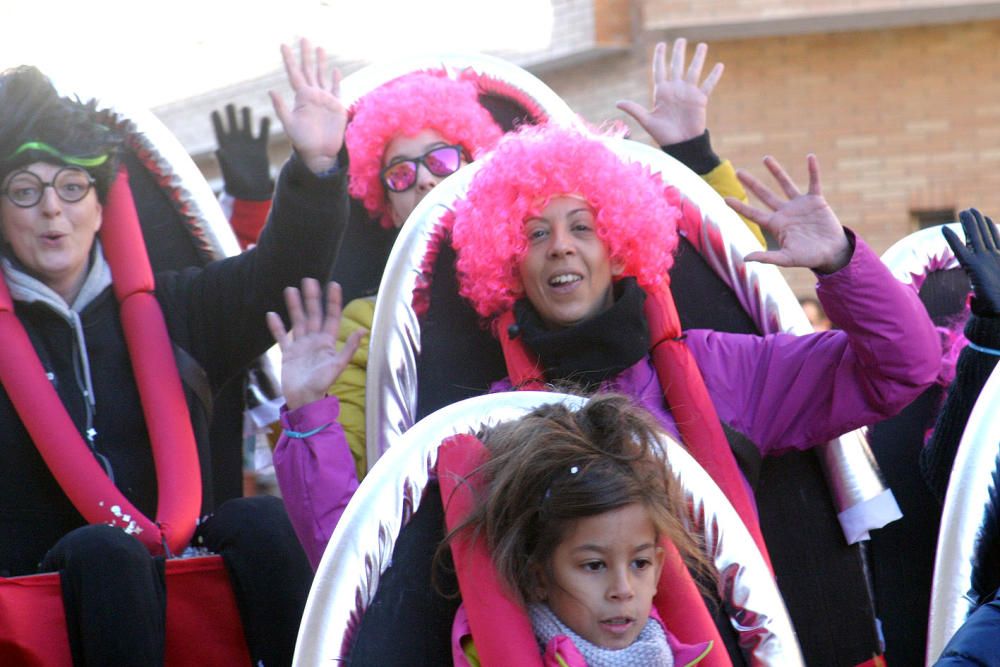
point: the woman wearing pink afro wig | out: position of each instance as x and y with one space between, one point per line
566 247
524 176
402 139
400 121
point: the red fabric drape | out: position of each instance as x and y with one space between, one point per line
203 623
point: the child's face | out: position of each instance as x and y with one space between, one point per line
603 576
566 273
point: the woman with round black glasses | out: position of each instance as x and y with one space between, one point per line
107 462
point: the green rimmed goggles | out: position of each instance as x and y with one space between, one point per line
42 147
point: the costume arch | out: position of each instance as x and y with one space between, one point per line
394 521
183 225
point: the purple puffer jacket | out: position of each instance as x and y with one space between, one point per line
785 391
782 391
316 474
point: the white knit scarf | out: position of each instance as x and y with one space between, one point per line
650 649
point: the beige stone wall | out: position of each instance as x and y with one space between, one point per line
902 120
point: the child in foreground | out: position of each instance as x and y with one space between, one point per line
575 509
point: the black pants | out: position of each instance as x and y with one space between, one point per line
115 598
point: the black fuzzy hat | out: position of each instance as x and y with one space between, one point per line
38 125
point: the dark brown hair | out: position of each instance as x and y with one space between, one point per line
555 466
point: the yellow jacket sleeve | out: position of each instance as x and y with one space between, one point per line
723 180
350 386
471 654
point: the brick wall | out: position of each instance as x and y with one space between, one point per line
902 120
613 22
664 13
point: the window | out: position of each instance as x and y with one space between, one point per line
933 217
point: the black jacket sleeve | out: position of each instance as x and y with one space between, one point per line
696 154
216 313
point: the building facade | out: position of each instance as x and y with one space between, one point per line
900 99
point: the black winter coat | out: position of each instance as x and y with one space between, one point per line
214 314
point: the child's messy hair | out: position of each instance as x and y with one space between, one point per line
555 466
427 99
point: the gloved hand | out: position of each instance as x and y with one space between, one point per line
246 170
980 257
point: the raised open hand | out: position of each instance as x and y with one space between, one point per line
680 102
806 228
310 360
980 257
315 124
246 170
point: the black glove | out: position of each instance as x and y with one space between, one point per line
246 170
980 257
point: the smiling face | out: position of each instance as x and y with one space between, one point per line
602 577
566 273
401 204
51 239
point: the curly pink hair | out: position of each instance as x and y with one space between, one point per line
636 213
406 106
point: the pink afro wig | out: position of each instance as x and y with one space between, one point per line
636 213
407 106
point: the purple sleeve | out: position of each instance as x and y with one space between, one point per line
501 385
316 473
459 631
785 391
